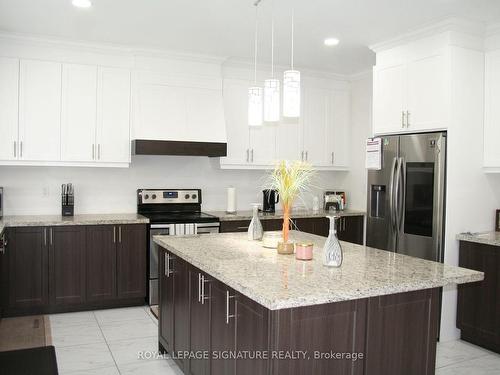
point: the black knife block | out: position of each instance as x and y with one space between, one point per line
68 205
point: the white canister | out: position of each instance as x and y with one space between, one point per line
231 200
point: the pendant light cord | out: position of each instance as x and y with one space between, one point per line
256 37
272 39
293 16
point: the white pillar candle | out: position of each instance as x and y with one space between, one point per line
231 200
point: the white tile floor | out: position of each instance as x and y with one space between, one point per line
107 342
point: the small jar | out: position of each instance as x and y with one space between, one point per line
304 251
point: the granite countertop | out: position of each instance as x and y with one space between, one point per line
296 214
280 281
56 220
487 238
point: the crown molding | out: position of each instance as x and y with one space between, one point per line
361 75
450 24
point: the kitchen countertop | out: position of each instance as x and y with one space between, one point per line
280 281
56 220
487 238
296 214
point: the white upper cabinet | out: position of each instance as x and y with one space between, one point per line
178 108
113 115
9 96
339 139
321 136
40 111
79 111
411 89
237 130
492 112
388 98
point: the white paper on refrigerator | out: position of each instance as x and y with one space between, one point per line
373 153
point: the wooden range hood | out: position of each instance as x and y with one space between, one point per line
178 148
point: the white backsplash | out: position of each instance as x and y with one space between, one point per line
36 190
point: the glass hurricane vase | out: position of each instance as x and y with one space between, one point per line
332 250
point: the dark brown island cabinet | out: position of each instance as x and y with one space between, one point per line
210 329
71 268
349 228
478 315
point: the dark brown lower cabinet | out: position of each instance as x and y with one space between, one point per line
386 335
71 268
67 265
478 313
349 228
27 278
101 262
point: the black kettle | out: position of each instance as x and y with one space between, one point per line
271 197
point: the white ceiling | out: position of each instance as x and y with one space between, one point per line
225 27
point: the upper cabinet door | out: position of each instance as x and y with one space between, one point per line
427 94
40 111
316 129
339 134
263 145
492 111
237 129
388 99
9 96
113 115
79 100
289 140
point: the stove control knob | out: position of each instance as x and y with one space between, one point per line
194 196
154 196
146 197
186 196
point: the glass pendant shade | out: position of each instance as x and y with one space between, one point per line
291 93
272 100
255 106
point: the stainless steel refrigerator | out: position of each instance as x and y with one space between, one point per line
406 198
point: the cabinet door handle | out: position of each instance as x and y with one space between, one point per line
248 155
99 151
3 247
15 149
21 149
114 234
120 234
199 287
307 155
203 281
402 119
45 236
407 119
51 236
228 316
252 155
333 158
93 151
302 156
166 265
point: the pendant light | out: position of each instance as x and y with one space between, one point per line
255 93
291 86
272 86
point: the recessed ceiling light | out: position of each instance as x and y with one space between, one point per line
331 42
82 3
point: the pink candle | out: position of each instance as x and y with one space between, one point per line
304 251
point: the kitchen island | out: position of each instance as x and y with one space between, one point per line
230 306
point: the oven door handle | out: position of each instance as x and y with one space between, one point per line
171 227
207 225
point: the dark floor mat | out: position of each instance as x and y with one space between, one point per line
34 361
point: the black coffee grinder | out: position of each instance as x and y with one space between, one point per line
271 197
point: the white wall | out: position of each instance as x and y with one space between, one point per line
472 195
35 190
361 122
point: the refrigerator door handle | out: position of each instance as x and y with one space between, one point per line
401 188
391 195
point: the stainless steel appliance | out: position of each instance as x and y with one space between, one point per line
406 198
1 202
270 198
171 212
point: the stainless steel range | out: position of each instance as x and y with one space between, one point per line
171 212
